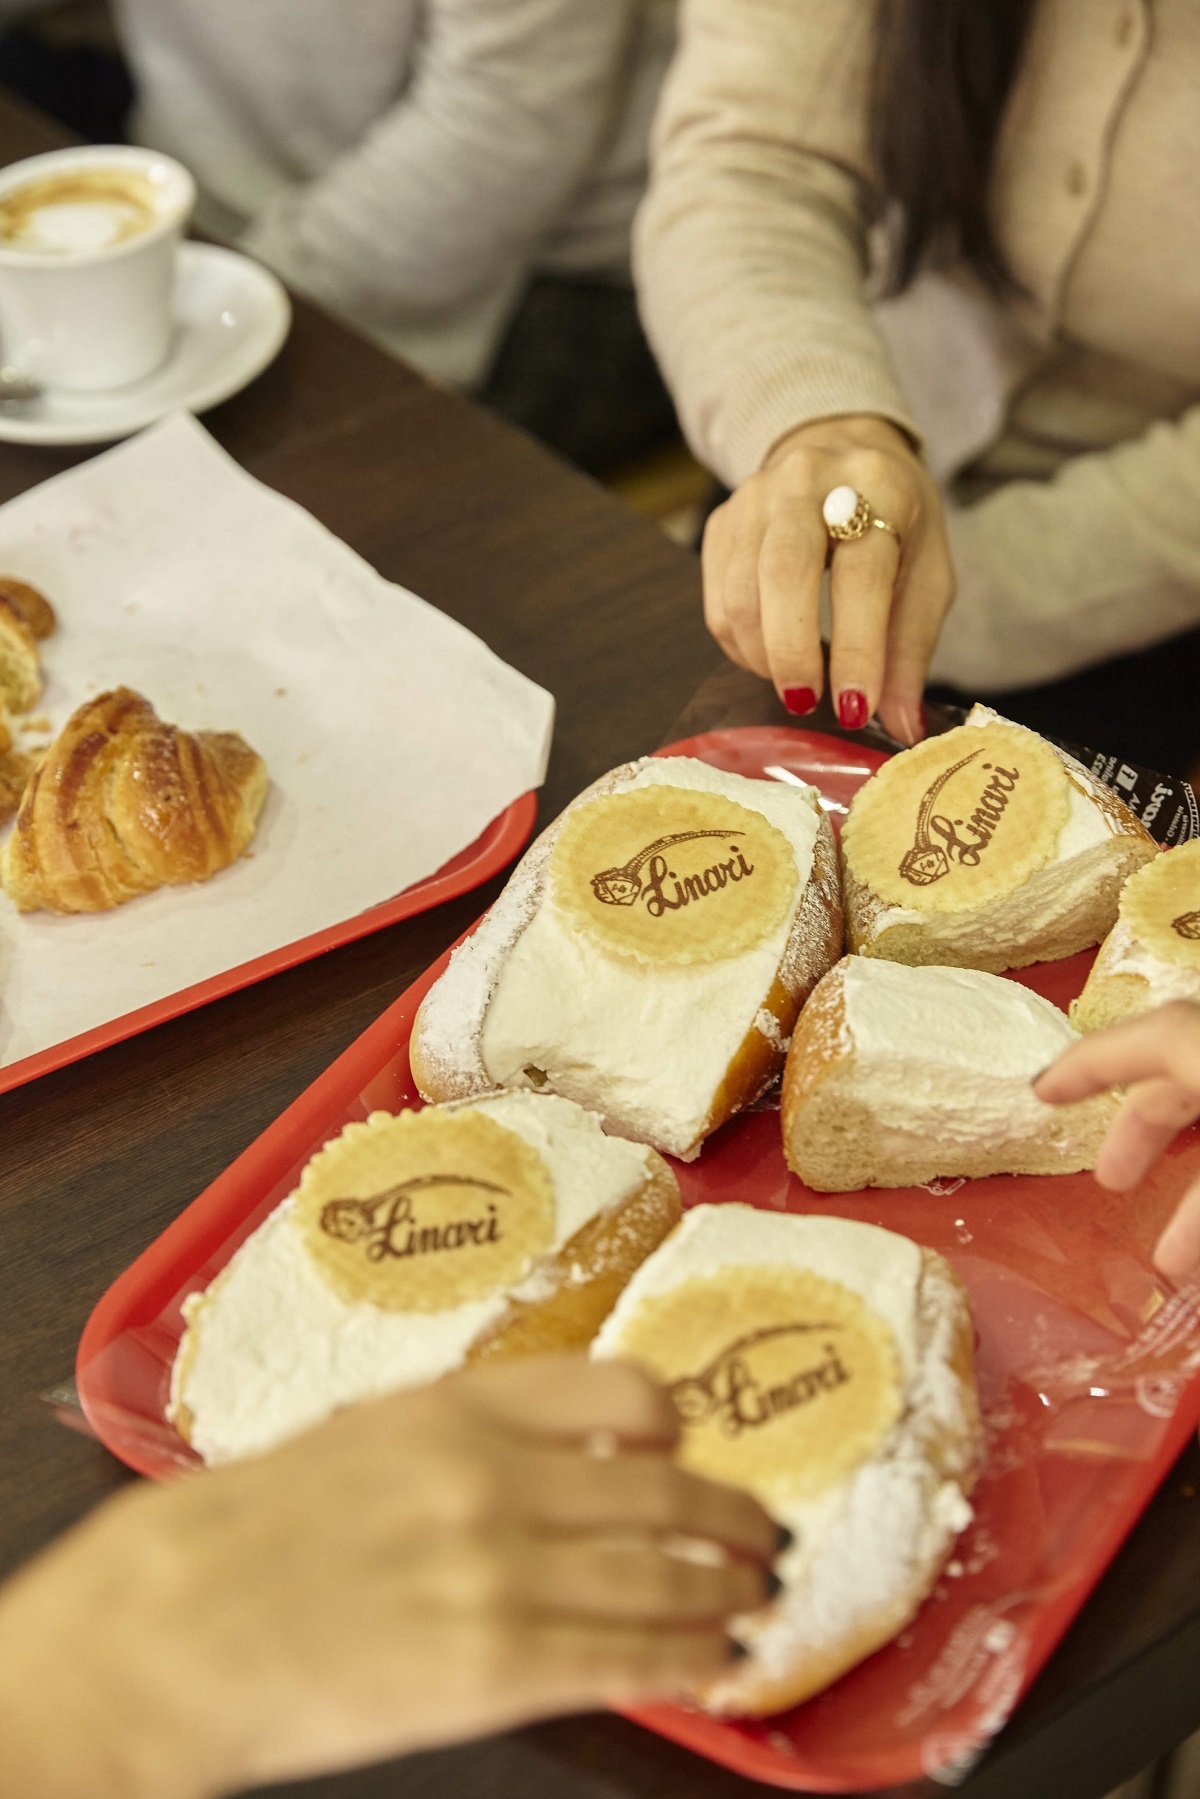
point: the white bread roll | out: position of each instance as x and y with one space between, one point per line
1152 954
827 1366
555 999
899 1075
413 1245
952 857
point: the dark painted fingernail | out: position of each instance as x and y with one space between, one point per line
784 1539
773 1584
852 708
800 701
737 1651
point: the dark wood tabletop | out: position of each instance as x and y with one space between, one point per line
575 590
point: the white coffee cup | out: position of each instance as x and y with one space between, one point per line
88 241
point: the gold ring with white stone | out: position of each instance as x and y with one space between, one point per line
849 516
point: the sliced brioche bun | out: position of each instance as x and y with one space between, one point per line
888 1105
868 1551
1044 918
446 1046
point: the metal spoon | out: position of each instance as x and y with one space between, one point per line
16 388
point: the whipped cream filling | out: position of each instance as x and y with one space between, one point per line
648 1047
949 1053
860 1545
1124 953
271 1349
1062 884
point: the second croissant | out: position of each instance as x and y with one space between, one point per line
124 803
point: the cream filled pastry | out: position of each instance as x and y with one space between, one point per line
414 1244
897 1075
1152 954
826 1366
987 848
648 957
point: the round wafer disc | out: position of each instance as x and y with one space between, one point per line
961 819
672 875
782 1379
426 1210
1161 905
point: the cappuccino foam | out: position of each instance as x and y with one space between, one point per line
76 211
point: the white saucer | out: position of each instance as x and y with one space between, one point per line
232 316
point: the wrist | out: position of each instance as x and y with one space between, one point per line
844 431
87 1706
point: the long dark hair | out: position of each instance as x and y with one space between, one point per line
943 70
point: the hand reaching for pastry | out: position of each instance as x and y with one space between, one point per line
1157 1058
440 1563
764 556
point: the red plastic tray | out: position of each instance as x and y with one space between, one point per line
1089 1373
491 851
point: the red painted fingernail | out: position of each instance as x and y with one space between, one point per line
852 709
799 700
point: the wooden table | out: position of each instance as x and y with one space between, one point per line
573 589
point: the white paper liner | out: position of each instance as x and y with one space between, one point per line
392 735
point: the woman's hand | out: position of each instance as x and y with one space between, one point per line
509 1543
765 551
1157 1057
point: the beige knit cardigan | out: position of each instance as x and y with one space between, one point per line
1080 405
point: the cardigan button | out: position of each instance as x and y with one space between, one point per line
1125 30
1077 180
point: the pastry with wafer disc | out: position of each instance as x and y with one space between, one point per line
826 1366
124 803
1152 954
897 1076
414 1244
985 848
649 955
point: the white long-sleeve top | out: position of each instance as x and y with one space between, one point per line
1079 403
409 163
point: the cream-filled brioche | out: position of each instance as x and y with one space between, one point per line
648 957
987 848
413 1244
826 1366
897 1075
1152 954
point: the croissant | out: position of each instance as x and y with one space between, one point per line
20 667
32 604
124 803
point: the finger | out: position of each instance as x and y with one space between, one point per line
1177 1252
573 1398
923 597
738 595
579 1665
1151 1116
714 561
638 1581
1163 1042
572 1493
862 579
790 570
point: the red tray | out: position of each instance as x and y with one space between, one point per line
1089 1373
491 851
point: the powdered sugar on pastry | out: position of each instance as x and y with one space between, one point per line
912 1027
271 1348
